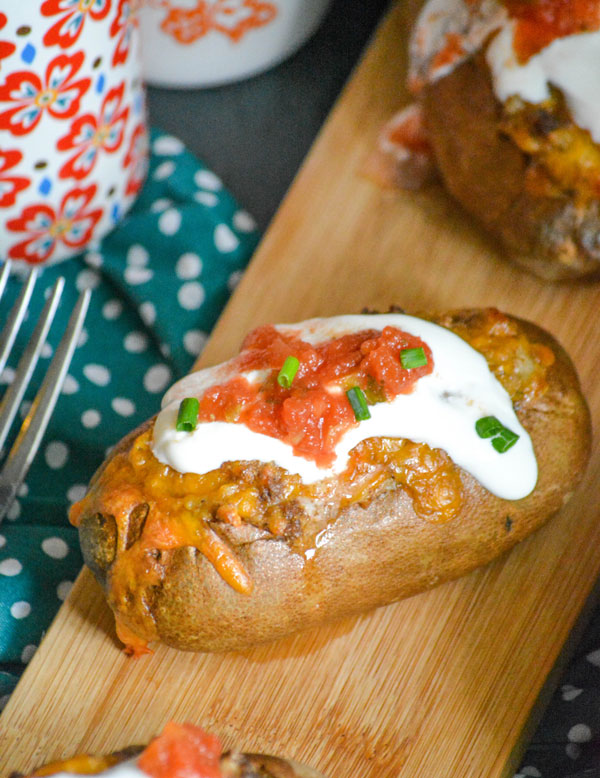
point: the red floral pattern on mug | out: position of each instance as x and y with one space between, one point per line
6 47
233 18
68 28
136 160
91 135
59 94
10 186
72 225
123 28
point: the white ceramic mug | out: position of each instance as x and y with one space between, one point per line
73 141
199 43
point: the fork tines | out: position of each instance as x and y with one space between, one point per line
34 425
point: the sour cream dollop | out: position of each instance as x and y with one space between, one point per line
441 411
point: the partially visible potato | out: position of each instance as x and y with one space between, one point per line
546 215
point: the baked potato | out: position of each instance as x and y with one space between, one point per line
180 751
368 473
509 95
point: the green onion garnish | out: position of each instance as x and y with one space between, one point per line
187 418
413 357
502 437
488 426
504 440
359 403
288 372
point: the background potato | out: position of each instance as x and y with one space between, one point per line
555 234
374 552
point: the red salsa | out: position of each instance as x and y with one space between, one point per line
182 751
314 412
539 22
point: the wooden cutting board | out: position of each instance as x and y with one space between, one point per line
439 685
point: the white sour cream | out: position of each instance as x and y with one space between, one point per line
441 411
572 64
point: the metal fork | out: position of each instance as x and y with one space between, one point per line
34 425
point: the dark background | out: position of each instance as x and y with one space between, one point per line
254 134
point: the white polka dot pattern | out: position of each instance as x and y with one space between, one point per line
97 374
87 279
243 222
188 266
14 511
194 341
112 309
91 418
55 547
63 589
160 205
27 653
135 342
166 145
164 170
10 567
70 385
56 454
206 198
138 275
123 406
76 492
148 313
169 221
20 609
206 179
191 295
225 240
580 733
157 378
137 255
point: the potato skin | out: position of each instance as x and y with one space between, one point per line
372 554
554 237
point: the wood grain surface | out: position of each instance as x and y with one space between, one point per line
438 685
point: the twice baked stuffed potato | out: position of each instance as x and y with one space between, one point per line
333 466
509 98
180 751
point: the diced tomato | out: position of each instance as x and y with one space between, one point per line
539 22
182 751
314 413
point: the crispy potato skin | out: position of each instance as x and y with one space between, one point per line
374 554
554 237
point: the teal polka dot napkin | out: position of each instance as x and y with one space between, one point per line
159 282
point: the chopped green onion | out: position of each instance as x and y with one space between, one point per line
288 372
359 403
502 437
413 357
187 418
504 440
488 426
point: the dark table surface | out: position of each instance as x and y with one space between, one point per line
255 134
